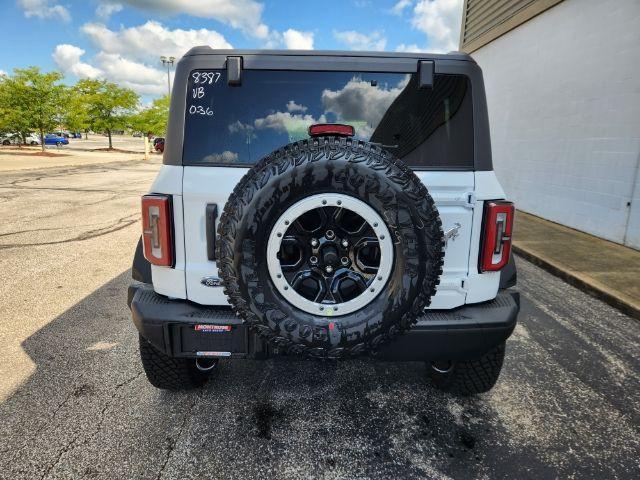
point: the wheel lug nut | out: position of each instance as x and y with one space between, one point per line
344 260
330 234
329 269
314 242
345 243
313 259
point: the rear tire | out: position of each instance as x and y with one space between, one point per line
468 377
169 373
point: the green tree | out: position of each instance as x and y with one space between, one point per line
31 100
75 115
5 117
108 106
152 120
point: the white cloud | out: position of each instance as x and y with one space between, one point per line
2 72
361 41
224 157
105 10
128 73
112 67
358 103
123 55
361 104
44 9
290 39
297 40
440 21
294 107
409 48
399 7
67 58
134 42
245 15
285 122
238 126
291 123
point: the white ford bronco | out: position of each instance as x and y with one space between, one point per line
328 205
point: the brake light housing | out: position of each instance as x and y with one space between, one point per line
338 129
157 230
496 235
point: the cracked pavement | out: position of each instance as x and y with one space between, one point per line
74 402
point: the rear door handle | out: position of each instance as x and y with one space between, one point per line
211 215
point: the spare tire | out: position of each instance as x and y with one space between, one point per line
330 247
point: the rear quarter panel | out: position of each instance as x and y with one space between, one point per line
171 281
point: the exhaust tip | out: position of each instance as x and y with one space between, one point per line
442 366
206 364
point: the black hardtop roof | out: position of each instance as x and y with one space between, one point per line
207 50
205 57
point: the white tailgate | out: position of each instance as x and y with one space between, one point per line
452 192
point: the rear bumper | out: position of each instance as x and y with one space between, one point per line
466 333
184 329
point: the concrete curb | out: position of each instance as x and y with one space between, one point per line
583 282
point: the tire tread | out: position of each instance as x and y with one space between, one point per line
169 373
471 377
296 155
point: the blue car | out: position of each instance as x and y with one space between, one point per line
51 139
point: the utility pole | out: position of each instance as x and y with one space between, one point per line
168 62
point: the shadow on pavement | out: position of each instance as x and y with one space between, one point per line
88 412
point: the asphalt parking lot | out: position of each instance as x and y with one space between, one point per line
74 402
96 141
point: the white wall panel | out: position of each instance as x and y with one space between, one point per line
564 104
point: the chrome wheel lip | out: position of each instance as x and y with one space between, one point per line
330 200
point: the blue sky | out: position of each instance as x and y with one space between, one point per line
122 40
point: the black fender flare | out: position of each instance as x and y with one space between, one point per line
141 268
509 274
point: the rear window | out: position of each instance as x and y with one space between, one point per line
428 128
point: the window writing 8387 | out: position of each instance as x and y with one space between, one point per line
199 82
205 77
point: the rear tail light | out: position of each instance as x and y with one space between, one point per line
331 129
157 230
496 237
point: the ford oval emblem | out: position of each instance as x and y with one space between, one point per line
211 282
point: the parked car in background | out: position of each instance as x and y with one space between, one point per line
137 134
9 138
77 135
32 139
16 139
53 139
158 144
